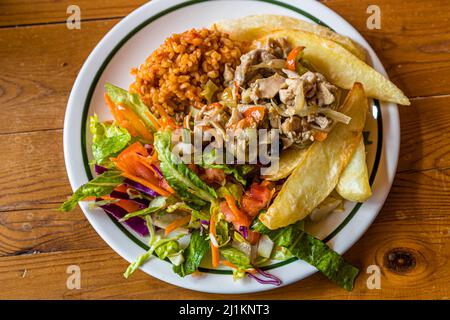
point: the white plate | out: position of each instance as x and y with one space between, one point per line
130 42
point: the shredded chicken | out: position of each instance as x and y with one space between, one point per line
292 101
267 88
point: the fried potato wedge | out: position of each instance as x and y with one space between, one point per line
354 184
318 172
340 66
289 160
256 26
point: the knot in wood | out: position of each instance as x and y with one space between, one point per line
400 260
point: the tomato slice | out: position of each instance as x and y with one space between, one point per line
255 199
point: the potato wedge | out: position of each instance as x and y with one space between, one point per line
318 173
354 184
289 160
340 66
256 26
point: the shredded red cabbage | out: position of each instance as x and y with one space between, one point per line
158 171
143 203
244 231
99 169
273 280
206 222
141 188
149 148
135 223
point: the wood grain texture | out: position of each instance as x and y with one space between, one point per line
425 134
37 70
43 79
413 42
38 64
26 12
422 229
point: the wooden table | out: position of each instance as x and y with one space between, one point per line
39 61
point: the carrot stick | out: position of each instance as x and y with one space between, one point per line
214 251
152 119
119 116
176 224
89 198
240 217
154 157
128 205
228 264
137 123
320 135
196 273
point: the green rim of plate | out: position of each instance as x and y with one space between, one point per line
137 29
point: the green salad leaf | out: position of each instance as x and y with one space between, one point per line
238 171
232 189
313 251
107 139
184 181
281 253
133 101
236 257
99 186
156 204
222 231
193 254
239 259
169 248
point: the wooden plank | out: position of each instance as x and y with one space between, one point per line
26 12
39 66
32 170
413 42
415 233
425 134
421 228
45 230
414 52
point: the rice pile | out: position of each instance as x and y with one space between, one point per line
173 76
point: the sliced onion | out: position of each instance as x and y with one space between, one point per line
265 246
141 188
157 171
244 231
272 279
335 115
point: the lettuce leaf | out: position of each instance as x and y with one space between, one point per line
134 102
233 189
171 247
193 254
238 171
107 139
184 181
239 259
156 204
99 186
313 251
236 257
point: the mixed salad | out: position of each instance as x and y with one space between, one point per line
193 214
